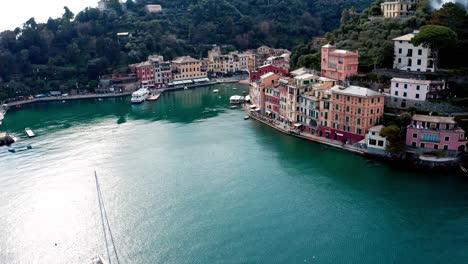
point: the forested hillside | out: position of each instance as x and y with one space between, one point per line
372 36
78 49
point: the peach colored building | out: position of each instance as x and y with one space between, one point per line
353 110
187 68
266 81
339 64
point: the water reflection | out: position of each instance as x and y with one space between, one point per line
184 106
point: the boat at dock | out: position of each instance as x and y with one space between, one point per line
140 96
236 99
216 91
153 97
29 132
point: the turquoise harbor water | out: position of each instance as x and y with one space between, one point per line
187 180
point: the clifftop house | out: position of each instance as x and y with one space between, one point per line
412 58
339 64
153 8
398 8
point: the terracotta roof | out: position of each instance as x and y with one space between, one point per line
434 119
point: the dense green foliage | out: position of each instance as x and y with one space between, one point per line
435 37
394 137
71 51
372 36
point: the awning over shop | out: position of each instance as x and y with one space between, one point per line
268 112
297 125
253 106
339 134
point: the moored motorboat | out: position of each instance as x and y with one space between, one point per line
215 91
140 96
246 117
236 99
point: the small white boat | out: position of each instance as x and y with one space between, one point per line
233 107
216 91
246 117
29 132
185 88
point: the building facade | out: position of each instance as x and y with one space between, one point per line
338 64
411 58
255 75
411 89
376 144
186 68
353 110
435 133
145 72
398 8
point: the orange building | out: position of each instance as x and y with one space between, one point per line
339 64
353 110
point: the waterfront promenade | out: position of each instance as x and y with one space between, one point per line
284 129
111 95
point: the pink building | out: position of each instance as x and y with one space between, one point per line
339 64
255 75
266 85
272 101
435 133
145 72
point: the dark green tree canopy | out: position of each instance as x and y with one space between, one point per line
435 37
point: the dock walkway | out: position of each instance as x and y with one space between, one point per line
68 98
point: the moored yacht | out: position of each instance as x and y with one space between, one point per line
140 96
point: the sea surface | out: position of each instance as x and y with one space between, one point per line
187 180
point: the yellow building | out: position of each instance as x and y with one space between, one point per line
398 8
187 68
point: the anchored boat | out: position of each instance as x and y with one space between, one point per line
29 132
